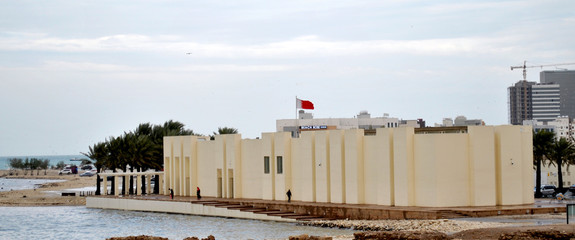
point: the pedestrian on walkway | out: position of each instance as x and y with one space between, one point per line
289 195
171 193
198 193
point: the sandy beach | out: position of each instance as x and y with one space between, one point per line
48 194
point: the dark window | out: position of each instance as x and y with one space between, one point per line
280 165
266 165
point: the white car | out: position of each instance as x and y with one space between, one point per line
65 171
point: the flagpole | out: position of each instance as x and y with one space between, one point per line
296 119
295 106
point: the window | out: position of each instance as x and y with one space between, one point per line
280 164
266 165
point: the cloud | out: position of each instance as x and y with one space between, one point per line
303 46
99 67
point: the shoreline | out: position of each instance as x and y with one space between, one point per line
48 194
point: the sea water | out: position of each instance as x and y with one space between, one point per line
54 159
86 223
8 184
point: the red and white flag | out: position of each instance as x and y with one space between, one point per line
303 104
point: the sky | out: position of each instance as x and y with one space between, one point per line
73 73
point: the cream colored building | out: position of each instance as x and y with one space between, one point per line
428 167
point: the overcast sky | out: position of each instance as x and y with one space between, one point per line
75 72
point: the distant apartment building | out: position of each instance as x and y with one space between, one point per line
554 96
363 120
460 121
566 80
560 126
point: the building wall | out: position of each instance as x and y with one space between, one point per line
251 167
483 166
303 163
566 81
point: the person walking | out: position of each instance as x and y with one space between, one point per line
198 193
171 193
289 195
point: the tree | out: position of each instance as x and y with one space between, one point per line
45 164
26 166
542 144
16 163
60 165
224 130
139 149
35 164
562 153
99 154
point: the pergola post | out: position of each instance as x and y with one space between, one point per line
138 190
105 183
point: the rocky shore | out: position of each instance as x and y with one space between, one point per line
442 225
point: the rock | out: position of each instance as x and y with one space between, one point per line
537 234
300 237
209 238
141 237
408 235
306 237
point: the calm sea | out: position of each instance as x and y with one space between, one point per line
85 223
54 159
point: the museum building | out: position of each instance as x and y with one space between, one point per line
403 166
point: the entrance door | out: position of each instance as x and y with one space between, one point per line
230 183
220 183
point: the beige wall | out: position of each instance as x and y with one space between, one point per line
483 166
303 163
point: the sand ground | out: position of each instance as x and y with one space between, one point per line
48 194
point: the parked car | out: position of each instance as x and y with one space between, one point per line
548 190
88 174
65 171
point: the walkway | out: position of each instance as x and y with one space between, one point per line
323 211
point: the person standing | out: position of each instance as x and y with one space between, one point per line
171 193
289 195
198 193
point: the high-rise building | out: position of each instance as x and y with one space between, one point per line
566 81
545 102
554 96
519 102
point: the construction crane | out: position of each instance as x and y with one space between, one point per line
524 67
539 66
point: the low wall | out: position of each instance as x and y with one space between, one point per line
175 207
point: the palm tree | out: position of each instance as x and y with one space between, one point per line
542 143
224 130
140 153
562 153
99 154
139 149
